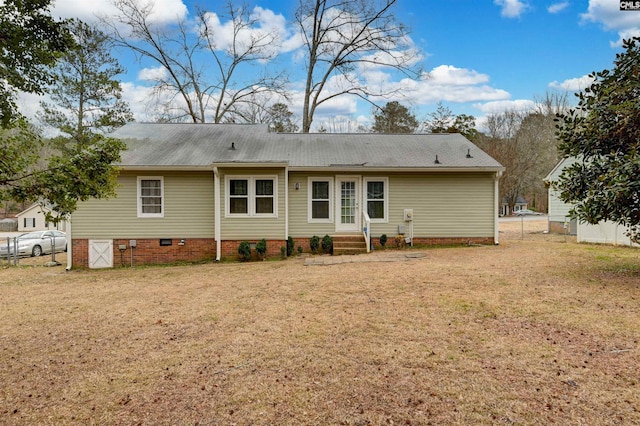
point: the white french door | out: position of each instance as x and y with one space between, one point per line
347 205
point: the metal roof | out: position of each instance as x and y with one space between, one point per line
202 145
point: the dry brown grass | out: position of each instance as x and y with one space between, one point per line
534 331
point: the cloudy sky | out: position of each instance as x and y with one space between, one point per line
482 56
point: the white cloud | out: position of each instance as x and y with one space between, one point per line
152 74
266 29
448 83
497 107
608 14
558 7
164 11
572 84
511 8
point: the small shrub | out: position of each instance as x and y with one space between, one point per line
244 251
314 244
300 249
290 246
383 240
327 244
261 248
283 252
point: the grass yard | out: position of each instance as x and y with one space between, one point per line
534 331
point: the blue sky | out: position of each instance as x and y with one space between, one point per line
482 56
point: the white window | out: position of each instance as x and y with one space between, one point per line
150 196
29 222
320 200
376 198
251 196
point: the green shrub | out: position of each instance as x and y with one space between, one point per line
290 246
383 239
300 249
314 244
283 252
327 244
261 248
244 251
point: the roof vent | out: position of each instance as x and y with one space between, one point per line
233 146
469 153
437 161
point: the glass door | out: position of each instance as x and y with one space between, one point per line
348 211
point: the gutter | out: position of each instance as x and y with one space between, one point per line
216 206
496 208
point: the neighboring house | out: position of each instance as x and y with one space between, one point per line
195 191
520 204
604 232
33 219
560 221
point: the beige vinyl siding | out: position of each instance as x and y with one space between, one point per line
188 209
299 227
253 228
444 204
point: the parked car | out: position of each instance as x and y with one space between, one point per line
526 212
35 243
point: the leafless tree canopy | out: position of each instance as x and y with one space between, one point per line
199 77
526 144
344 37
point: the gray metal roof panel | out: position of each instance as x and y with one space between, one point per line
183 145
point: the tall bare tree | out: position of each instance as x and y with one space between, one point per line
206 84
340 37
525 143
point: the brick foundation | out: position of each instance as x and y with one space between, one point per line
391 243
149 251
229 248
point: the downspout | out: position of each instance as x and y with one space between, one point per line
496 196
286 203
216 207
69 245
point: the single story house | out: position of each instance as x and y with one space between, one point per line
520 204
190 192
33 219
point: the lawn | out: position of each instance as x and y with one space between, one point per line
534 331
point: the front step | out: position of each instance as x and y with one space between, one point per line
348 244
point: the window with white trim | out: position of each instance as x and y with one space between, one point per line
248 196
320 200
376 193
238 196
150 196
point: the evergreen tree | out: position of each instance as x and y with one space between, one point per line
603 133
394 118
87 99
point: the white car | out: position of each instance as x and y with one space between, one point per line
526 212
35 243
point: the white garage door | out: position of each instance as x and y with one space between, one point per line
100 254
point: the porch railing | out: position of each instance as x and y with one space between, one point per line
366 229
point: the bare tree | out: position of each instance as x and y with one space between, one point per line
526 144
192 84
340 37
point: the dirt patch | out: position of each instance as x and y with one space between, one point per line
533 331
